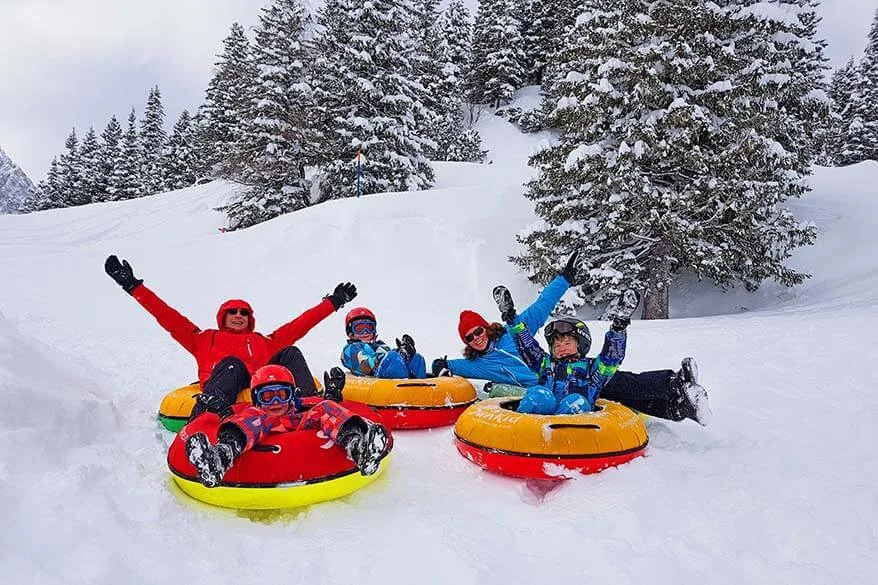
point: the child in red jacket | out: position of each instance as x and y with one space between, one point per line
276 409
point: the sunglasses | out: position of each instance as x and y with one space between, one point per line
363 327
274 394
242 312
476 332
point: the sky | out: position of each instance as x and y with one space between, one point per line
74 63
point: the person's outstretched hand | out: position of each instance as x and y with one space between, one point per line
122 273
343 293
627 304
570 272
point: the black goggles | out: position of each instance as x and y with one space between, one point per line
559 328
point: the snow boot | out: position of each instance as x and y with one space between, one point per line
210 461
504 301
210 403
366 448
690 398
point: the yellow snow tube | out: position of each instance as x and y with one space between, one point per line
277 497
413 403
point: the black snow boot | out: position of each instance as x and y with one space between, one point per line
505 304
213 461
210 403
689 399
366 444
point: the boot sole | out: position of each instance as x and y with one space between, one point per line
376 441
199 454
697 397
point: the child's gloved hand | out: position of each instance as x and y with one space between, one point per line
627 304
406 347
440 367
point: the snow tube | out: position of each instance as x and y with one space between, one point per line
177 405
492 435
413 403
287 470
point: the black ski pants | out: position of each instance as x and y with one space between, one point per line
651 392
230 375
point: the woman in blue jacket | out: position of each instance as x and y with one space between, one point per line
491 354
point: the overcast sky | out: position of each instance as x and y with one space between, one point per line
66 63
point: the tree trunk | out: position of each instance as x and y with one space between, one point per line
658 276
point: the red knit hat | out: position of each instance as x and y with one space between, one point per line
468 320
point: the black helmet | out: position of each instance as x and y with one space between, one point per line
569 326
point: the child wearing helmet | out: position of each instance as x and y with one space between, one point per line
277 407
569 381
366 355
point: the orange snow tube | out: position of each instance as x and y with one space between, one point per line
492 435
413 403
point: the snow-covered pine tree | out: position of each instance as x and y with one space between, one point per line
862 143
456 140
367 94
110 155
47 193
153 139
89 157
277 138
226 106
428 72
496 67
126 177
70 173
673 153
179 163
843 95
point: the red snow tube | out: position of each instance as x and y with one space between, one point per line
493 436
286 470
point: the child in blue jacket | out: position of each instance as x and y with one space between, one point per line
569 382
366 355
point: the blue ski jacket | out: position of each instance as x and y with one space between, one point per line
501 362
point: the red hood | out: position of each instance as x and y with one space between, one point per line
235 304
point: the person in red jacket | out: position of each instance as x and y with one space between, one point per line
277 408
228 355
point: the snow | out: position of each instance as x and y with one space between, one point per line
781 488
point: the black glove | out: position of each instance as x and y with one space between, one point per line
343 293
505 304
122 273
333 384
624 309
440 367
406 347
571 270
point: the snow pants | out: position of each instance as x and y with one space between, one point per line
393 366
541 400
255 424
650 392
230 375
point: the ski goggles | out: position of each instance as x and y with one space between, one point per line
475 333
274 394
363 327
559 328
242 312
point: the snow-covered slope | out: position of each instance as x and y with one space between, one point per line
14 185
779 489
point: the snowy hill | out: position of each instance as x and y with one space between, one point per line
779 489
14 184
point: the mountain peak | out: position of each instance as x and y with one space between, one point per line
14 185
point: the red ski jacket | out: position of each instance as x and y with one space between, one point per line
209 346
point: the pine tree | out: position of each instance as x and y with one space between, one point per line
153 139
126 177
70 174
428 72
367 97
47 194
277 139
680 139
179 162
89 156
109 159
496 67
862 130
455 140
227 104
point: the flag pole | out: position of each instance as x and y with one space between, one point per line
358 172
